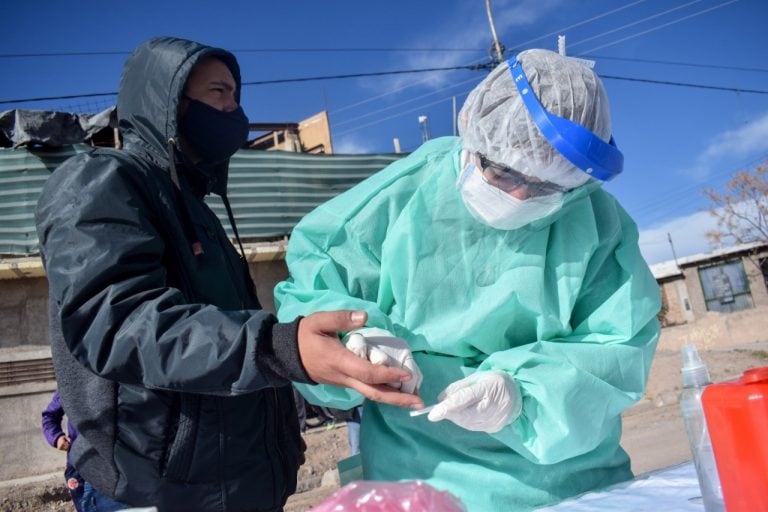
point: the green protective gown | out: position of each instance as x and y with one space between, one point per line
566 305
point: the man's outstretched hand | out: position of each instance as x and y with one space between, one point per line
327 361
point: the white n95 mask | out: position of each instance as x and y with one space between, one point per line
498 209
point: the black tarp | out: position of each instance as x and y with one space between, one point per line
53 129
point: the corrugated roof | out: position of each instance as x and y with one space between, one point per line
672 268
270 191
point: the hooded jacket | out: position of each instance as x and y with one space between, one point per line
175 378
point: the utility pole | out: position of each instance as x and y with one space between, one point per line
669 237
396 142
497 47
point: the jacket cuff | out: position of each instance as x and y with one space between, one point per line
281 359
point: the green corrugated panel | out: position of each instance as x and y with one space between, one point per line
22 175
269 190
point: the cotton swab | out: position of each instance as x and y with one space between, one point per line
419 412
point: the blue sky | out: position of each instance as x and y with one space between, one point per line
676 140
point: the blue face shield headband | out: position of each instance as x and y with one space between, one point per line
578 145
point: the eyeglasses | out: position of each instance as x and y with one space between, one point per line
508 180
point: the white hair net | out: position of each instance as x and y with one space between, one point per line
495 123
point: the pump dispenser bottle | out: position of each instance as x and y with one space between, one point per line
695 378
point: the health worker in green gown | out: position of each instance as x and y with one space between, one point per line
496 269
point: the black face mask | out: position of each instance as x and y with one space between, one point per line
213 134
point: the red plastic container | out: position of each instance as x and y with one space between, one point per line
737 420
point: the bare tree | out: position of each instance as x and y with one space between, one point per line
742 211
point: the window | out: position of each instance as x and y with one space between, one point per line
725 287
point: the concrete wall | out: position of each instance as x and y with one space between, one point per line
671 300
23 450
23 312
718 330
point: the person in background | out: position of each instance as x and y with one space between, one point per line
353 429
52 418
176 379
495 266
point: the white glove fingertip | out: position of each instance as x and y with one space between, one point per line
437 413
377 356
357 345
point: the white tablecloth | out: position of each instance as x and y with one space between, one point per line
670 489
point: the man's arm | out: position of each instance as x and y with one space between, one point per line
105 258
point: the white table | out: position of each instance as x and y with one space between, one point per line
675 488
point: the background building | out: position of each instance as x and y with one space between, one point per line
715 298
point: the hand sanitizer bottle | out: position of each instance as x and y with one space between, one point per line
695 378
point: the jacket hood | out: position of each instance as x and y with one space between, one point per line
151 86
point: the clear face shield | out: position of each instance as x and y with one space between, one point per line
504 198
585 150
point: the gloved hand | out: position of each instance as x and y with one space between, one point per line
380 346
486 401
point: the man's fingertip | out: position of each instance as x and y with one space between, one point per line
358 317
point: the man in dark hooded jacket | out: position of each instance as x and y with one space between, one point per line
175 378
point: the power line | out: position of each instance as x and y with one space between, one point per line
399 89
411 100
248 50
58 54
583 22
361 75
559 31
266 82
636 22
675 63
356 75
660 26
683 84
345 50
67 97
469 67
399 114
674 196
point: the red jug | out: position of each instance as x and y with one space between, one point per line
737 419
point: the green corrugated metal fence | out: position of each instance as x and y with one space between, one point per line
270 191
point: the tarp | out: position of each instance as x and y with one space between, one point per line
54 129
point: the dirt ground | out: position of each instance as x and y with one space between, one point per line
653 436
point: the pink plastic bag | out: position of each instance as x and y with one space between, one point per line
369 496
